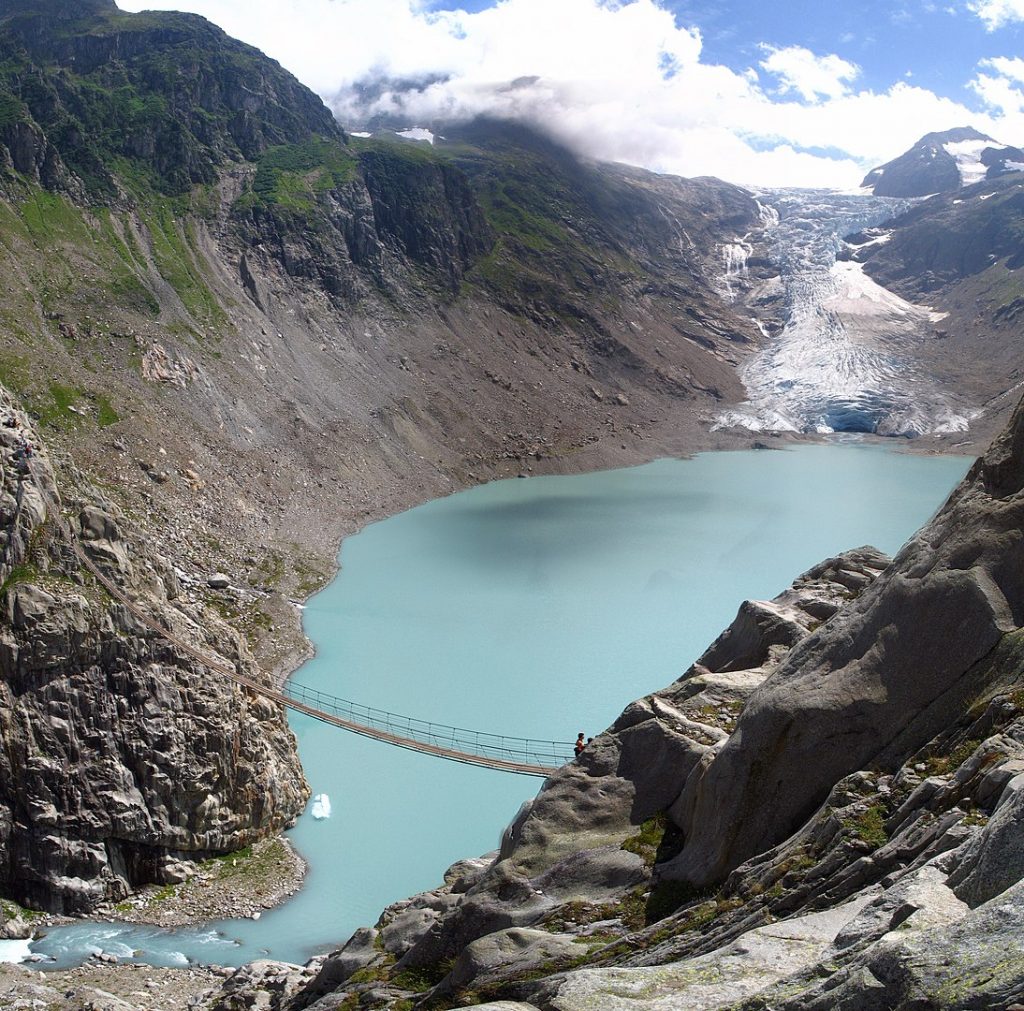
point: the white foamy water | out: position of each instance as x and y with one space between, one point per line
845 360
321 809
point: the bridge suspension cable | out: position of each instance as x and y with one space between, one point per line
519 755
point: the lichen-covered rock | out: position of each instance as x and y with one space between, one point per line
511 953
263 985
121 755
977 962
716 980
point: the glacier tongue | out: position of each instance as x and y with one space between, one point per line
844 361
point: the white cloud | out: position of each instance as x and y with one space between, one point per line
1000 85
810 76
997 13
617 79
1011 67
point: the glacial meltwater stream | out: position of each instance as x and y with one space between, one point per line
535 608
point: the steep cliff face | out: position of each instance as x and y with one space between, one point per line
310 325
169 93
120 756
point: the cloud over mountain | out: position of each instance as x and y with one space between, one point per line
624 81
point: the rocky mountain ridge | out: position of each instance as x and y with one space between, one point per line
959 254
237 321
259 321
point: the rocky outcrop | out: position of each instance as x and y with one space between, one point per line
121 756
877 682
575 868
640 765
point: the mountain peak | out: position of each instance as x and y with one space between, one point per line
958 135
942 162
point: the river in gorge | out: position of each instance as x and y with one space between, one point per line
535 608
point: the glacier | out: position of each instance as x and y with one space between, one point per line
844 360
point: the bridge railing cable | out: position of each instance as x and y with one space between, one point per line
524 749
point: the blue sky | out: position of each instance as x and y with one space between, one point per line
937 45
759 92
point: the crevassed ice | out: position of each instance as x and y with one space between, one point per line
843 362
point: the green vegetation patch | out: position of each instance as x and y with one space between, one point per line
14 372
657 841
26 572
177 261
12 110
292 175
422 978
870 826
56 409
943 765
105 414
12 911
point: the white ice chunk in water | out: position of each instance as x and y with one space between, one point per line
14 951
321 807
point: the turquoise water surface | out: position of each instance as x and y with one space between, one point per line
535 608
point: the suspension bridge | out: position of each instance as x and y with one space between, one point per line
518 755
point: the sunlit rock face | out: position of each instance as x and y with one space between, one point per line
845 357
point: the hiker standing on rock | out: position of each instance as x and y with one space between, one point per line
579 746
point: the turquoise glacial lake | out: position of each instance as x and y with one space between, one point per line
534 608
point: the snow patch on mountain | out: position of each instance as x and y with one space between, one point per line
967 155
417 133
858 295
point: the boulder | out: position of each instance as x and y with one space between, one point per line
920 900
510 954
336 969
